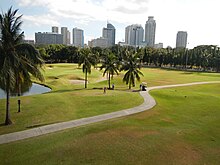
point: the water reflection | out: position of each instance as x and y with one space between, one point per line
34 89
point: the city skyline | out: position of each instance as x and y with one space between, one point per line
197 17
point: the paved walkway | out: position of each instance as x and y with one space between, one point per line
149 102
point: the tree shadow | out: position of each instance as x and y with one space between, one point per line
3 124
43 124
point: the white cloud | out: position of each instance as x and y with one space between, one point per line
39 20
88 10
198 17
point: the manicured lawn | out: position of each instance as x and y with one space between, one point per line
69 101
184 128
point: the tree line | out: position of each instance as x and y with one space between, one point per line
200 58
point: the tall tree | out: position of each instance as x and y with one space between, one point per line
86 59
29 65
110 63
16 59
132 67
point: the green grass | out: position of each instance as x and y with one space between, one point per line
183 129
69 101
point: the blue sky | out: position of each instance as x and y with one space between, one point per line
200 18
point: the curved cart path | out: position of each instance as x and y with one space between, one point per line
149 102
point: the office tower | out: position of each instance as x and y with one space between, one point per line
68 37
55 29
134 35
109 34
99 42
150 30
48 38
78 37
64 32
181 39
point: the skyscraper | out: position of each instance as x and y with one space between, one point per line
55 29
64 32
78 37
181 39
48 38
150 30
109 34
68 37
134 35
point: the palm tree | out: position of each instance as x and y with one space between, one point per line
132 67
10 27
86 58
30 64
18 60
110 63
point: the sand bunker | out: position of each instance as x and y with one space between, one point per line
77 81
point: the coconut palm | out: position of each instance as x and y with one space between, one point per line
132 67
30 64
86 59
17 60
110 63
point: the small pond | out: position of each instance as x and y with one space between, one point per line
34 89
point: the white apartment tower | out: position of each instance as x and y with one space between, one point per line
134 35
55 29
64 32
150 30
181 39
78 37
109 34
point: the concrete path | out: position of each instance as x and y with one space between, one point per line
149 102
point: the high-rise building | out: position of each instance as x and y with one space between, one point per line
181 39
134 35
150 30
68 37
109 34
99 42
48 38
55 29
78 37
64 32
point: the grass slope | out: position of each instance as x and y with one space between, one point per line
183 129
69 101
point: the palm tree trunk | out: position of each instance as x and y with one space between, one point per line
129 83
86 78
19 94
109 80
7 118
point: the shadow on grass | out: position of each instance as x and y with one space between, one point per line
40 125
3 124
187 73
78 89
